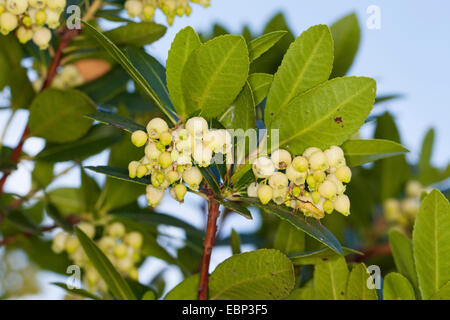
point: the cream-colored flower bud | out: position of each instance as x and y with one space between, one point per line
156 126
193 177
151 151
328 206
335 156
252 190
319 176
87 228
342 204
16 7
197 126
148 12
414 189
57 5
120 250
340 187
38 4
165 160
318 161
154 195
106 243
263 167
184 159
178 192
281 159
132 169
40 17
300 164
173 175
315 196
141 171
202 156
139 138
52 18
116 230
41 37
92 276
8 22
125 264
24 34
265 193
308 152
278 181
344 174
295 176
72 244
411 207
165 138
59 242
279 195
134 8
327 189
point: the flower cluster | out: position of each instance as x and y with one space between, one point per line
312 183
145 9
122 249
170 155
403 212
68 77
33 19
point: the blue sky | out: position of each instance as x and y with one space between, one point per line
408 55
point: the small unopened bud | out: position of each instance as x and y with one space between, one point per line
193 177
120 250
318 161
173 175
252 190
148 12
327 189
57 5
197 126
296 191
116 230
41 38
328 206
179 191
295 176
24 35
278 181
344 174
156 127
165 160
151 151
8 22
315 196
335 156
16 7
263 167
319 176
87 228
141 171
165 138
154 195
132 169
72 245
265 193
139 138
342 204
133 7
413 189
281 159
59 242
300 164
40 17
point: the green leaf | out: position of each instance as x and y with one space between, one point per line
90 189
134 34
358 152
236 207
185 42
425 156
67 200
306 293
120 57
402 251
306 64
185 290
327 115
96 140
311 227
357 288
116 284
443 293
42 174
386 97
214 75
431 243
116 121
330 280
79 292
289 239
260 84
319 256
260 45
58 115
119 173
22 221
397 287
235 242
149 295
346 34
241 114
264 274
152 71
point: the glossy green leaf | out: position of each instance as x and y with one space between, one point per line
116 121
235 242
443 293
431 243
186 289
185 42
328 114
120 57
77 292
58 115
319 256
116 284
236 207
357 288
264 274
42 174
214 75
90 189
330 280
262 44
346 34
96 140
67 200
311 226
119 173
402 251
241 114
307 63
358 152
306 293
397 287
289 239
152 71
260 84
22 221
149 295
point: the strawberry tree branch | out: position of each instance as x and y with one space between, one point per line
211 229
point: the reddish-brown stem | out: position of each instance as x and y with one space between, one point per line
211 229
66 36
